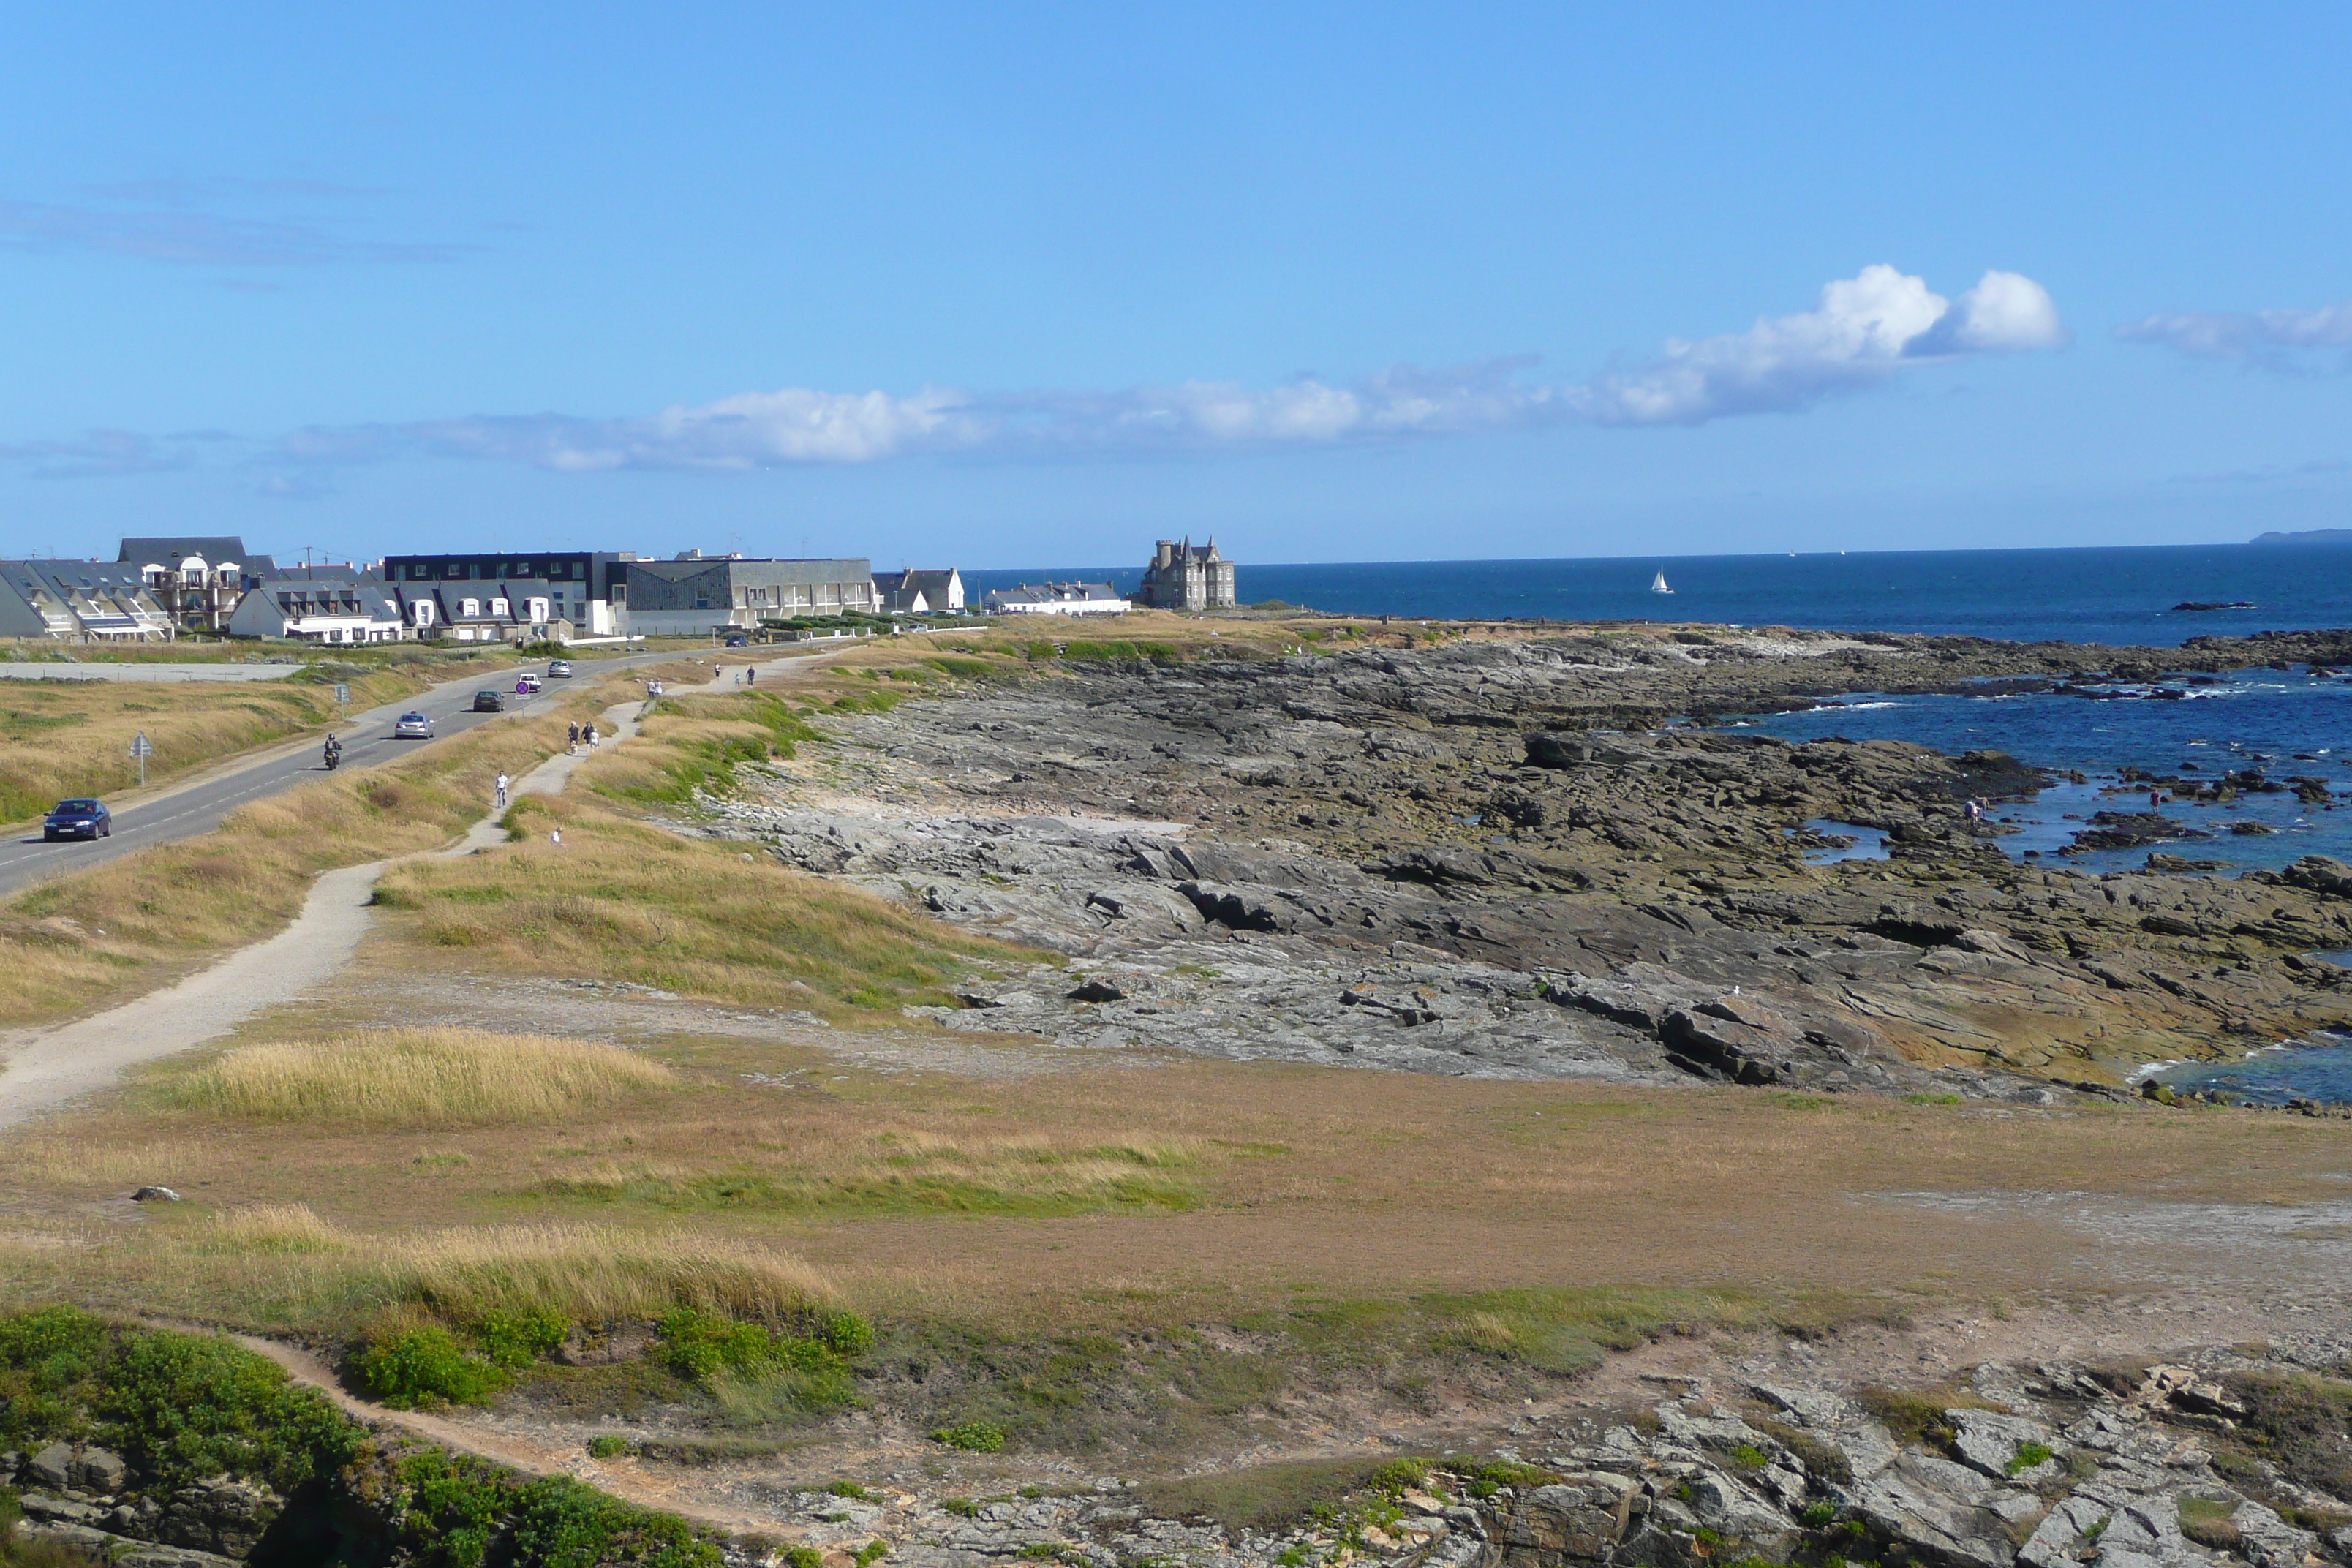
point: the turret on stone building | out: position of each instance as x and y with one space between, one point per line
1183 576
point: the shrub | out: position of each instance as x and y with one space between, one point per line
803 1557
851 1491
1748 1456
1818 1515
847 1335
513 1340
607 1446
187 1406
971 1437
961 1507
874 1549
424 1367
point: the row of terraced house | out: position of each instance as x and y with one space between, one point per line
159 587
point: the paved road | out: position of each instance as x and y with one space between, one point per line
197 806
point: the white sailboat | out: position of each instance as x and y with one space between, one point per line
1658 584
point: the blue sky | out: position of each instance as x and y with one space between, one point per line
1031 285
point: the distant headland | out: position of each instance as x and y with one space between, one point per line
2308 536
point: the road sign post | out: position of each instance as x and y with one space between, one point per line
342 693
143 749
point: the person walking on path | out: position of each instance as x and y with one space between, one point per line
751 676
592 738
503 781
571 738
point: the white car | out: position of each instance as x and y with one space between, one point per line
413 727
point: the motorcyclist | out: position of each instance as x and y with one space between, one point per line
334 749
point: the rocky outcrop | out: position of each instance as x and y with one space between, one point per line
1247 841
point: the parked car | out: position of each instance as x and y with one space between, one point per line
413 727
80 818
489 702
739 640
559 670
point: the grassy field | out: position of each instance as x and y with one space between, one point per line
1071 1248
81 941
622 899
1330 1217
60 738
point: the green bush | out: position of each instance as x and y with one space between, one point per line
50 1362
424 1367
803 1557
961 1507
607 1446
186 1406
513 1340
847 1335
972 1438
1818 1515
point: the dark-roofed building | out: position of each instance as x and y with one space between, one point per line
81 601
921 593
1187 577
339 605
197 579
1056 599
587 591
695 594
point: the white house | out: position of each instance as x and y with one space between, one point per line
322 604
1056 599
921 593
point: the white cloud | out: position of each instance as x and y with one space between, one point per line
1865 330
2272 338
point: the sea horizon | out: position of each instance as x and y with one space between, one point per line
2117 594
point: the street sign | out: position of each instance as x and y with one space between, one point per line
342 693
142 748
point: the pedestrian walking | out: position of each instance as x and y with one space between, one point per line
751 676
555 837
503 781
571 738
592 737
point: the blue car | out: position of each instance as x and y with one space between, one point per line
79 819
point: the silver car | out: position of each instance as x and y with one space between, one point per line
413 727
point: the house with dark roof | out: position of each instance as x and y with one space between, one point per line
81 601
921 593
198 579
585 591
1187 577
334 604
1056 599
695 594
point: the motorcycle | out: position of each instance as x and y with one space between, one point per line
334 758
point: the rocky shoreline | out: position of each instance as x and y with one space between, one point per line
1498 858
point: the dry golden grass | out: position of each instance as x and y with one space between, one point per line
416 1078
1107 1192
85 941
620 900
282 1265
61 738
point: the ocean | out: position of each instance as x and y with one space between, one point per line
2101 596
